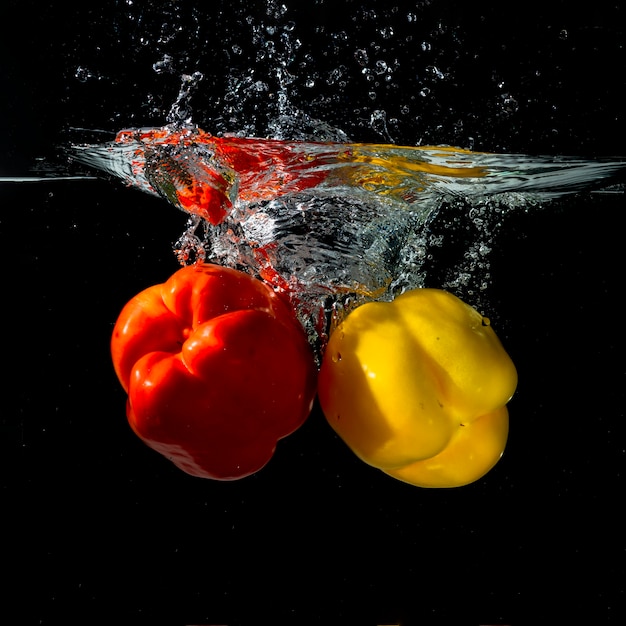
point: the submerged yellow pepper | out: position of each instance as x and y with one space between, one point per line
418 387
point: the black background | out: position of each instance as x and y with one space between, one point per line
97 528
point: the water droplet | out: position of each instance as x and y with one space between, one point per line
166 64
378 121
380 67
361 57
83 74
509 104
435 71
334 76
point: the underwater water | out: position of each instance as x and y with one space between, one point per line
316 537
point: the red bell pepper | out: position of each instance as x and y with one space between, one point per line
217 369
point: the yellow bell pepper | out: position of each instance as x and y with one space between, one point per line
418 387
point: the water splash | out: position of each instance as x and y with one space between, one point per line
327 221
181 110
364 228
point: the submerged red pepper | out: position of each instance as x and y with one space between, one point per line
217 369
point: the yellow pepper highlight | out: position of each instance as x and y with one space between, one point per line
418 387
